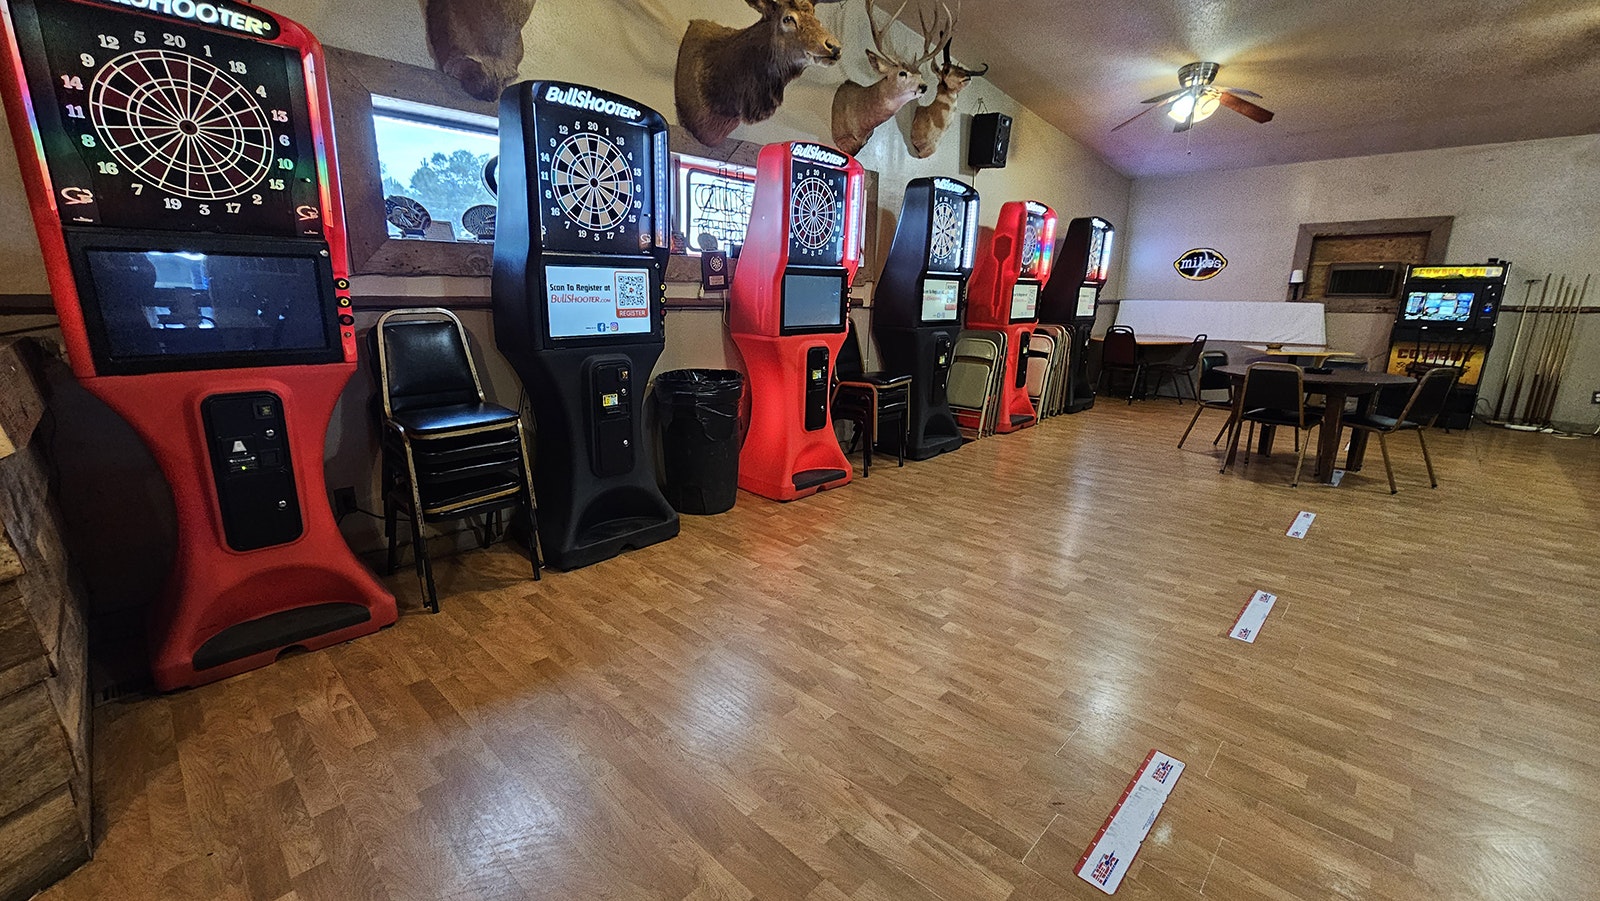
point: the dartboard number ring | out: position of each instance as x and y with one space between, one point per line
814 210
947 228
181 123
591 182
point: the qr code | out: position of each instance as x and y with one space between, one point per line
633 291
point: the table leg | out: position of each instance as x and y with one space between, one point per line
1358 437
1328 434
1238 423
1264 446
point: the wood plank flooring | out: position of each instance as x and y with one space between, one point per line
933 684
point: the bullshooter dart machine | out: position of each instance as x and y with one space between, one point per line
1083 263
1012 266
916 313
580 255
787 309
178 158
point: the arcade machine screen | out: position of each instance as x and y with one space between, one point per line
941 299
597 302
1447 306
1088 296
1024 302
812 302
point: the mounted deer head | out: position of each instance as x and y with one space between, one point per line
930 122
727 75
477 42
859 109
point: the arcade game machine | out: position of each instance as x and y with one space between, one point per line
1013 265
180 167
580 255
787 309
1448 319
1082 266
916 313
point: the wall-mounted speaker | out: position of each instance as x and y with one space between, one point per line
991 139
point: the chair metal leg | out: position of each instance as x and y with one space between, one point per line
1226 427
1383 445
1233 445
391 518
871 436
1300 455
1197 411
526 509
1250 441
905 434
1427 460
419 555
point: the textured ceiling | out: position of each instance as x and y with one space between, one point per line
1345 77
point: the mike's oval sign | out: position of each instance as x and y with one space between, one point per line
1200 264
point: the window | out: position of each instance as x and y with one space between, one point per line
432 160
713 199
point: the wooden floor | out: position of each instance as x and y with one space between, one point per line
935 683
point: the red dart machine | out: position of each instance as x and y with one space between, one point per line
180 167
1013 265
787 309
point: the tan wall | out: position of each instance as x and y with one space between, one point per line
1536 203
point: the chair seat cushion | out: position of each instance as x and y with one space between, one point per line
1277 417
1378 422
880 379
453 417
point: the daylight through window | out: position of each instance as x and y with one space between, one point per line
713 199
432 162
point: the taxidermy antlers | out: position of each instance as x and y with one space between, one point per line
858 110
929 122
727 76
477 42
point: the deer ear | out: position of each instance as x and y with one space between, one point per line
764 7
879 64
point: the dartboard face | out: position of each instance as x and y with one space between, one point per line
150 123
816 215
594 182
1032 236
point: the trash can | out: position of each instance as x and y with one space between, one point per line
699 418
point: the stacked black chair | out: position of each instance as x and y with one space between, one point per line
447 453
868 399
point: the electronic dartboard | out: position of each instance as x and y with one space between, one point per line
950 229
593 187
816 215
1034 246
177 160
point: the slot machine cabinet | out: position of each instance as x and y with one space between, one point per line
786 312
1012 266
179 165
916 311
1083 263
1447 318
580 254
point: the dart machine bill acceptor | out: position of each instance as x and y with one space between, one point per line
1083 263
916 313
1012 266
580 254
179 163
787 309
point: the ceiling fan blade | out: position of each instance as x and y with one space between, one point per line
1162 98
1240 91
1245 107
1148 109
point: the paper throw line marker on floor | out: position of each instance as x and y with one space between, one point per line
1111 852
1252 616
1338 476
1302 524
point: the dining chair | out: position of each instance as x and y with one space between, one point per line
1119 351
1212 380
1274 395
1184 364
1419 414
968 388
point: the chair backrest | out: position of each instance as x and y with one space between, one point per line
849 365
1210 378
1428 400
1121 347
982 348
1191 354
1275 386
423 360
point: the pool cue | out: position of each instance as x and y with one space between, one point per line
1516 396
1511 362
1541 382
1568 327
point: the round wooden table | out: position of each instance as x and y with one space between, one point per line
1155 340
1337 386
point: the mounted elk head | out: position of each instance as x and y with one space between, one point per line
727 75
859 109
477 42
930 122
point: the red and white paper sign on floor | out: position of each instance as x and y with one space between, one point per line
1252 616
1114 846
1302 524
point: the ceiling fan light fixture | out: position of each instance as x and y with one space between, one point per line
1202 108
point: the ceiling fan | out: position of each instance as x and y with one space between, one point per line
1199 98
